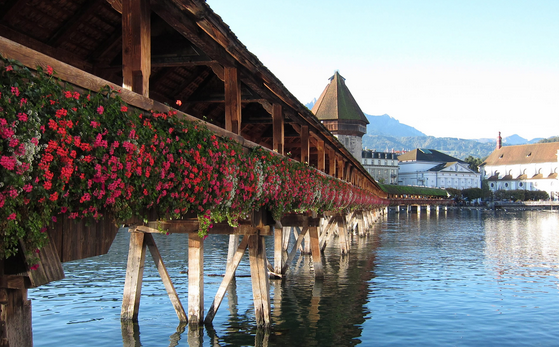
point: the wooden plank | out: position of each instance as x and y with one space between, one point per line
136 45
232 100
195 279
150 242
229 275
50 268
134 276
278 126
259 277
192 226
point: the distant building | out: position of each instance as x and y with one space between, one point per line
383 166
528 167
339 112
431 168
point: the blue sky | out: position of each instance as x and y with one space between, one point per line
452 68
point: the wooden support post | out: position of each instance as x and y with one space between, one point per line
305 147
332 163
294 249
136 45
260 283
278 129
343 236
232 100
306 249
150 242
361 224
340 168
134 275
229 275
278 249
233 243
315 250
321 164
195 279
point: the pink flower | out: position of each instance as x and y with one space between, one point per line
12 216
9 68
94 123
8 162
100 109
54 219
15 91
22 116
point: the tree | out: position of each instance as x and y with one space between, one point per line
550 139
473 163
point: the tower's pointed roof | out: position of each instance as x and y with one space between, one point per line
337 103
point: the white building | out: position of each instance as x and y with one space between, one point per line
431 168
528 167
383 166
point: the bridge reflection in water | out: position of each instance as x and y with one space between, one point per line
305 311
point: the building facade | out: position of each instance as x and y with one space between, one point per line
431 168
383 166
526 167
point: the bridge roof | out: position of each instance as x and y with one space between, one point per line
191 47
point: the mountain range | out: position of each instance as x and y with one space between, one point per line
385 133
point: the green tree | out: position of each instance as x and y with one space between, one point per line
473 162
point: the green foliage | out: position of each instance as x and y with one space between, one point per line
521 195
550 139
473 163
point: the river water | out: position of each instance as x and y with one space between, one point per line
461 278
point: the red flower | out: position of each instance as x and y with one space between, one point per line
12 216
100 109
49 70
9 68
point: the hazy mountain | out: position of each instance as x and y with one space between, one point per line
388 126
458 148
511 140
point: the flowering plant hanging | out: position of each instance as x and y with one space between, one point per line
68 153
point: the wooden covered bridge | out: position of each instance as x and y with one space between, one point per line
192 135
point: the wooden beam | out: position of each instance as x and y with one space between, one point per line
136 45
305 149
278 249
232 100
278 129
229 275
165 278
260 283
321 164
315 251
195 279
134 275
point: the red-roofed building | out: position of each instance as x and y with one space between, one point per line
528 167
